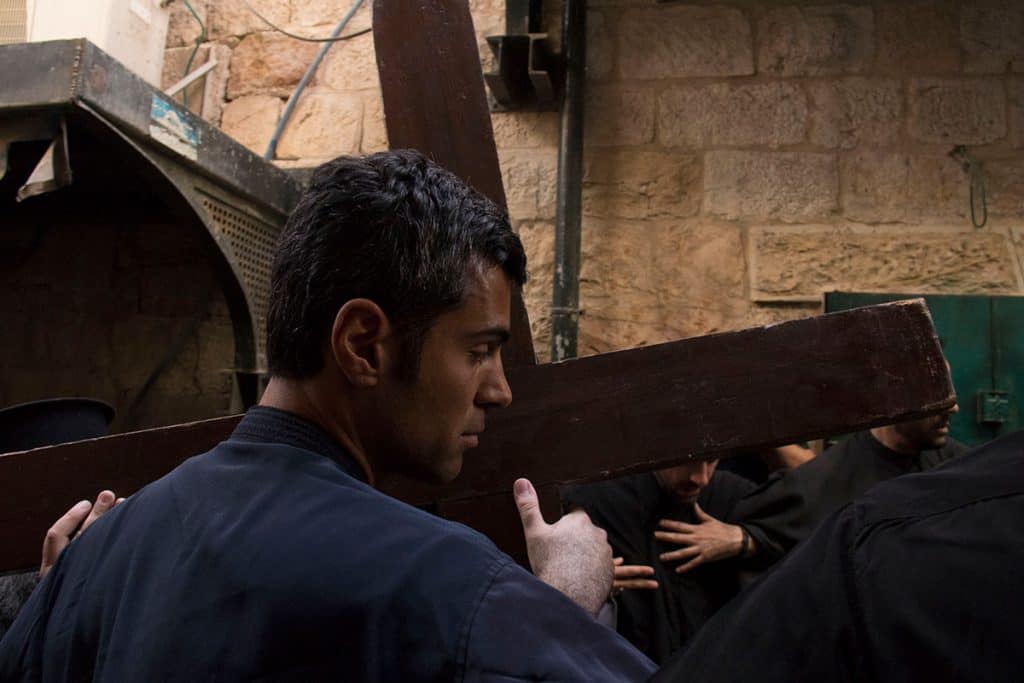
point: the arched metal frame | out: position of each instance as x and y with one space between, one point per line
204 177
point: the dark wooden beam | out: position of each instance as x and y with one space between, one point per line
435 102
704 397
588 418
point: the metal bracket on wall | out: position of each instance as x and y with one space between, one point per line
993 407
527 75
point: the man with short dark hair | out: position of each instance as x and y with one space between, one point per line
788 507
679 551
918 580
272 557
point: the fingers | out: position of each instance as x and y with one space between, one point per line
632 577
529 507
673 525
105 501
59 535
695 562
681 554
630 571
672 537
634 584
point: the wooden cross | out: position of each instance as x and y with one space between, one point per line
588 418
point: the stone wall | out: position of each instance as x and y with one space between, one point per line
101 310
742 157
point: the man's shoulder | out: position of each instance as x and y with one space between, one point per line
965 485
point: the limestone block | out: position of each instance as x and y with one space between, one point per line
683 41
1015 95
990 34
770 114
855 111
375 132
182 27
873 186
786 186
268 63
648 282
641 184
810 41
215 88
917 37
232 18
937 190
1005 188
529 179
251 120
1017 235
488 20
350 65
324 125
539 243
619 116
802 263
959 112
325 14
525 129
600 47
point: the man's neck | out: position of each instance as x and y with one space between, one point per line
301 397
889 438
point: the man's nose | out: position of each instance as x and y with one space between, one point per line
702 476
955 409
495 391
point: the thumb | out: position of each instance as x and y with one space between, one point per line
529 506
701 515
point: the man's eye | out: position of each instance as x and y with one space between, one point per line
479 355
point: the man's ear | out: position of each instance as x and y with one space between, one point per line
359 329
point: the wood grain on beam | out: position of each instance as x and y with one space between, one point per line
587 418
703 397
435 102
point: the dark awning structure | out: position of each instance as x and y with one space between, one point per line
72 118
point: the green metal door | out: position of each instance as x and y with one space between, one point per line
983 339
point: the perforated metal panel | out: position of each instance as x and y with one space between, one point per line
12 21
252 243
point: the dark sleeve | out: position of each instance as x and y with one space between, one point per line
765 634
622 507
773 515
526 630
787 508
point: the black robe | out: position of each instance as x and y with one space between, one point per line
786 509
918 580
629 508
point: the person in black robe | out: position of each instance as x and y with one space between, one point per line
667 602
788 507
918 580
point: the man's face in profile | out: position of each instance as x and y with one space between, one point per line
685 482
442 412
928 432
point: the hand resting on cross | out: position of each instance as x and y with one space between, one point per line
571 555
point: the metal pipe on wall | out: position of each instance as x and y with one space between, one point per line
566 287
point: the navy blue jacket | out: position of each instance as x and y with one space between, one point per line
268 558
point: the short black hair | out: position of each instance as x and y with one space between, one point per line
392 227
